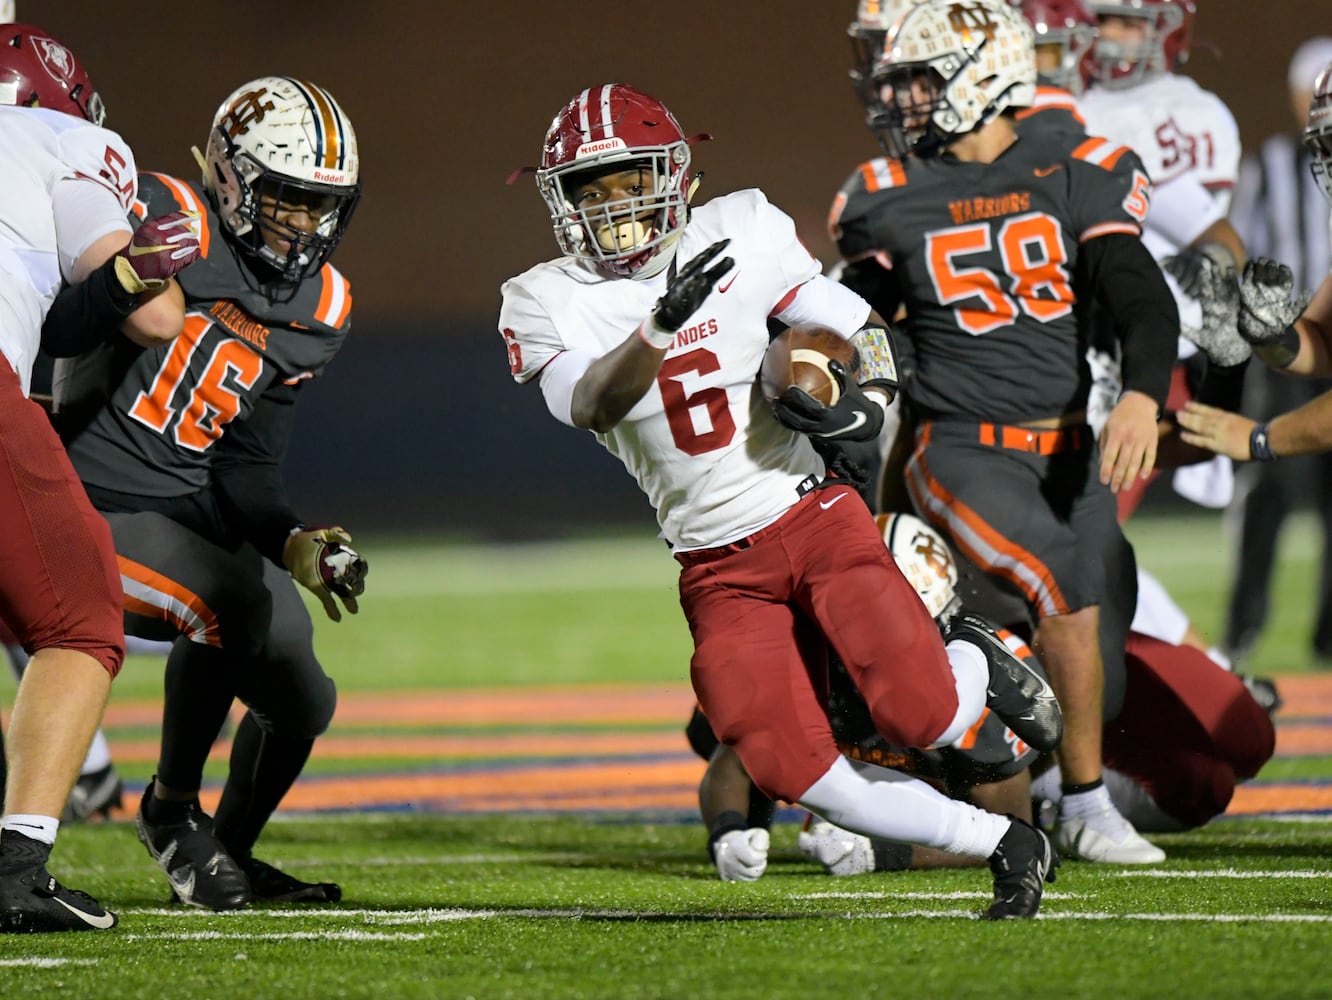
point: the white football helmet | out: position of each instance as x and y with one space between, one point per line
874 19
280 141
1318 130
949 68
925 560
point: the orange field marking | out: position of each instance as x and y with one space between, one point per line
641 760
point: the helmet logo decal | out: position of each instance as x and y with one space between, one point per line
56 59
965 18
245 111
933 554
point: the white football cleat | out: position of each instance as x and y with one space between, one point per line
841 852
1106 837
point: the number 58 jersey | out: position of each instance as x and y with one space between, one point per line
702 442
155 437
984 256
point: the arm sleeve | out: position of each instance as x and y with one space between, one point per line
247 472
1182 210
84 211
823 301
1132 295
85 314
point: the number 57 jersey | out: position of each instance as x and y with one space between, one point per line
702 443
171 405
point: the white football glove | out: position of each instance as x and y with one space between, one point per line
741 855
841 852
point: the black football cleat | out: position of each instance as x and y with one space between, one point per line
1022 863
33 902
272 885
200 870
1017 692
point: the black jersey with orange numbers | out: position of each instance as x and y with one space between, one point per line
156 436
984 259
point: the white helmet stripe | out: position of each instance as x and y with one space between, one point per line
607 124
583 125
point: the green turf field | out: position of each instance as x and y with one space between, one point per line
611 905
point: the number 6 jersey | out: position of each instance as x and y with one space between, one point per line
702 443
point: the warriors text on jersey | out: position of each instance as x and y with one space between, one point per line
984 257
176 401
39 149
702 443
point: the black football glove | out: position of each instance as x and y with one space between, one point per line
688 289
854 417
1187 266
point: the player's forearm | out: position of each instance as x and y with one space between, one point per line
1304 430
614 382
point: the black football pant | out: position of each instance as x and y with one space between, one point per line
240 631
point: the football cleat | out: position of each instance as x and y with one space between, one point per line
200 870
839 851
272 885
1107 837
1263 690
1022 863
1017 691
94 794
33 902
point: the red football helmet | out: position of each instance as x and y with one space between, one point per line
1164 47
1069 26
605 129
1318 131
37 71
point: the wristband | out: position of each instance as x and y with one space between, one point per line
1260 444
655 335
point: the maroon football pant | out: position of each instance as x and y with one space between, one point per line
1188 732
759 611
59 585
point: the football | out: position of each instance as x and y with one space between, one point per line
799 356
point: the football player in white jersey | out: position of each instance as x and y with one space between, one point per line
643 333
71 268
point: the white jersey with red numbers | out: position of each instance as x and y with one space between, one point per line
1176 127
45 226
702 442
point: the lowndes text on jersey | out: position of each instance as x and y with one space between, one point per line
973 209
693 334
240 325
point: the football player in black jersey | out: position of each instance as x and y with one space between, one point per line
182 454
996 242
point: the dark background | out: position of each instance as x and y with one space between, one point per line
417 425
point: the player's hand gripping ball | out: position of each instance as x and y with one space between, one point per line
798 357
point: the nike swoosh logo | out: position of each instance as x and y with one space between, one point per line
829 504
1047 171
859 421
723 288
104 922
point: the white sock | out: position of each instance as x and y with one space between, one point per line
971 676
1048 785
877 802
99 755
41 828
1084 804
